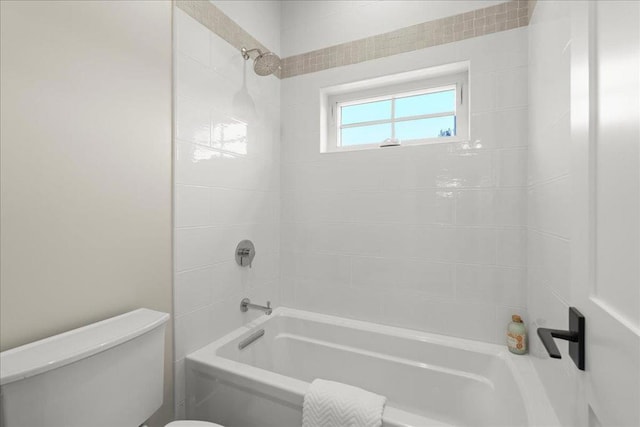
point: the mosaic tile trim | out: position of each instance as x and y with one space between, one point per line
216 21
488 20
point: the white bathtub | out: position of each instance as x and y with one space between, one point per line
429 380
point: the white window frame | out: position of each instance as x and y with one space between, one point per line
458 81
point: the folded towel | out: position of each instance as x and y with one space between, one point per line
332 404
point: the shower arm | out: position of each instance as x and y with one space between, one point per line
245 52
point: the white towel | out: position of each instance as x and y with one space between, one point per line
332 404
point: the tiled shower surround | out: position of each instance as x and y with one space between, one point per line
429 237
549 237
227 188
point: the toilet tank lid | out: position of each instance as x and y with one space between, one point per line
60 350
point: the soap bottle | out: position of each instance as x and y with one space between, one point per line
516 335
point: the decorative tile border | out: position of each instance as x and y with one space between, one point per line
215 20
501 17
488 20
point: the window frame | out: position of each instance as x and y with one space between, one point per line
393 91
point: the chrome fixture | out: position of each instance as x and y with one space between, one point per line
251 338
575 336
245 305
245 252
265 63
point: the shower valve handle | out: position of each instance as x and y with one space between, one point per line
245 252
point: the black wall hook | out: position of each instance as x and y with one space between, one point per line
575 336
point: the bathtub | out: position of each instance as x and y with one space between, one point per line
428 379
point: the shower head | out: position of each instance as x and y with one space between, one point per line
265 63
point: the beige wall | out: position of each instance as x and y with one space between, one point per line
86 166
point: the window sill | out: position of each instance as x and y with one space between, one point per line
372 147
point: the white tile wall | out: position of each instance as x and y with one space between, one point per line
221 196
548 295
428 237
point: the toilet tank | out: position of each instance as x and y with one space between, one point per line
107 374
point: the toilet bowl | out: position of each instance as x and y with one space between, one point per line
191 423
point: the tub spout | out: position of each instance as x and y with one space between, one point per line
246 304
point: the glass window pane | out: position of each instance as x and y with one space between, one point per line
374 134
379 110
429 103
426 128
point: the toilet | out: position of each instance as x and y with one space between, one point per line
65 380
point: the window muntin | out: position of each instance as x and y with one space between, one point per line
411 111
404 117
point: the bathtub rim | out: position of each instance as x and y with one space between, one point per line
539 411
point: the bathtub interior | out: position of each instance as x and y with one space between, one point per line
468 384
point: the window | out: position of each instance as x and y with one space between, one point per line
408 113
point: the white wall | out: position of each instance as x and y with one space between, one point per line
428 237
309 25
86 166
549 237
223 195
